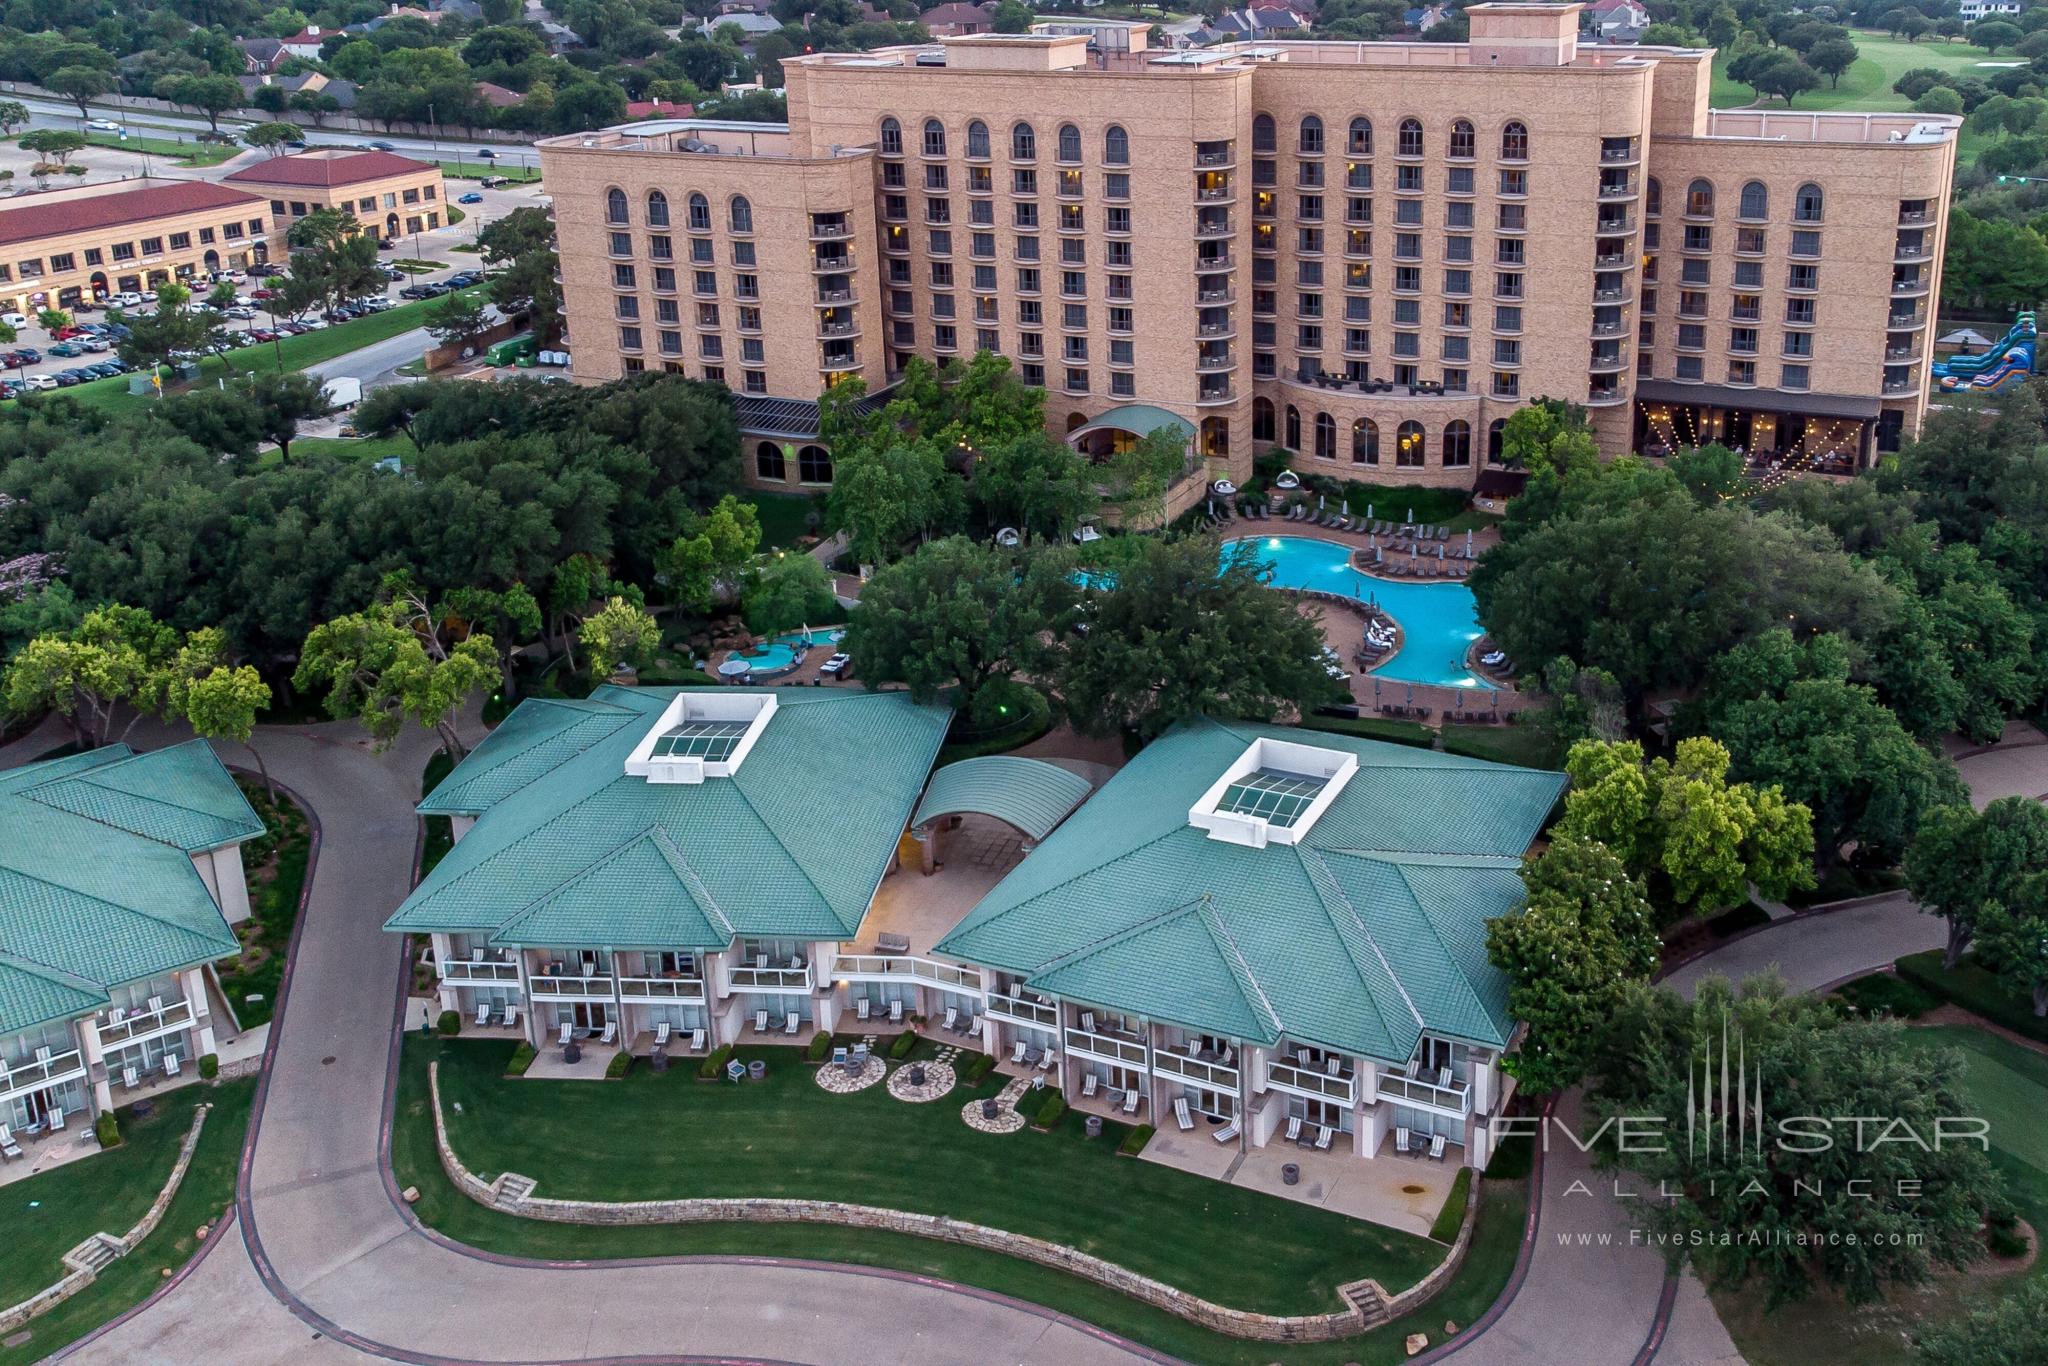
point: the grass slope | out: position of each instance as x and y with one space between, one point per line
1866 86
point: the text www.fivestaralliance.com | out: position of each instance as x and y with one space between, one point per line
1701 1237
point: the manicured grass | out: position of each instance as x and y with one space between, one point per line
1866 86
413 265
1527 745
1445 1229
783 516
1479 1281
774 1138
1883 994
182 150
1974 989
477 169
350 448
276 869
108 1193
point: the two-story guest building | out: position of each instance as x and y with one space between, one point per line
68 247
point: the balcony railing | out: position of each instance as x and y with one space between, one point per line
1019 1010
771 979
662 988
1124 1052
570 986
881 967
1307 1081
468 971
1908 217
830 231
142 1024
1214 158
1213 1076
1456 1098
36 1073
1901 386
1223 261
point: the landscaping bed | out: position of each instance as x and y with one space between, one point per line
275 865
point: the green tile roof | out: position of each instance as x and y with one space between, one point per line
1369 931
1029 794
97 885
570 851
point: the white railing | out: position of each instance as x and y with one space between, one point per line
1213 1076
877 967
662 988
36 1073
570 987
137 1025
771 979
1457 1098
1306 1081
1108 1047
1017 1010
468 972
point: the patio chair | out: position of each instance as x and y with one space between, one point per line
760 960
789 1026
56 1119
611 1033
511 1017
568 1033
172 1064
1230 1056
1443 1078
1022 1048
1323 1136
1436 1148
735 1071
895 1012
1090 1084
9 1149
952 1018
1088 1020
859 1058
1333 1067
1293 1129
696 1041
1226 1133
1401 1142
760 1022
156 1005
861 1008
661 1034
130 1078
1130 1106
1047 1059
1195 1049
968 1025
483 1014
839 1056
1180 1113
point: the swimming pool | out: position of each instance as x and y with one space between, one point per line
1438 620
780 655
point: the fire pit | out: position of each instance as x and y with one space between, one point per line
1290 1173
989 1108
917 1074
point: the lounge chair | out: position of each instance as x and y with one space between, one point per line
1130 1105
968 1025
862 1008
1436 1148
511 1017
1090 1084
1293 1129
1180 1113
661 1034
696 1041
789 1026
56 1119
761 960
859 1059
895 1012
1443 1078
483 1014
760 1022
1323 1135
9 1149
611 1033
1022 1049
1046 1060
1229 1058
952 1019
568 1033
839 1056
130 1078
1401 1142
1226 1133
1333 1067
1088 1020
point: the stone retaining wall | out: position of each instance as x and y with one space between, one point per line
1368 1306
1427 1289
81 1276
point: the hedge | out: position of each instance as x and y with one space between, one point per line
107 1130
1135 1141
450 1024
209 1066
1975 989
1452 1215
1054 1109
900 1046
979 1069
522 1058
1883 994
621 1063
713 1066
820 1047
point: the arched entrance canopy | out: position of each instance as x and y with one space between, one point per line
1133 420
1029 795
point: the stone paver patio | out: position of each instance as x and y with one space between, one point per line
844 1081
1007 1119
938 1081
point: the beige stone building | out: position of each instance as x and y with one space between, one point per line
67 247
390 195
1368 254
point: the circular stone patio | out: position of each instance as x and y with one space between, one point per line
1007 1120
938 1080
841 1082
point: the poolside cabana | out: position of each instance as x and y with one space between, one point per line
1029 795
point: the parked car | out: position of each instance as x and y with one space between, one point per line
40 382
101 371
14 319
128 298
413 292
66 378
262 334
29 355
471 198
68 332
238 311
264 294
103 126
93 344
836 665
386 244
67 349
12 388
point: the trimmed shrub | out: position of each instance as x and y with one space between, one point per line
2004 1237
820 1047
1135 1141
1974 988
107 1130
522 1058
979 1069
1883 994
209 1066
1452 1215
621 1063
900 1046
1054 1109
450 1024
713 1066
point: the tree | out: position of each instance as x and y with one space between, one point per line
380 668
174 331
1962 861
13 114
1780 74
1831 57
508 616
210 95
52 144
271 137
1697 839
333 260
713 556
959 614
1549 434
618 633
1139 475
53 319
1994 34
1184 628
1586 933
518 251
115 657
1940 99
883 496
458 319
2000 1330
791 590
218 700
1860 1206
284 399
1035 483
2012 939
1011 16
79 84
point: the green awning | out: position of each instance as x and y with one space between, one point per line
1139 419
1029 794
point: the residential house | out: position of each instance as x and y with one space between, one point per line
750 25
262 54
1970 11
306 43
120 881
953 19
560 37
497 96
658 109
1256 23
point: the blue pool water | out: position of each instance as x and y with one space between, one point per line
1438 620
781 654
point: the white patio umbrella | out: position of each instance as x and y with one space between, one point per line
1287 479
1411 516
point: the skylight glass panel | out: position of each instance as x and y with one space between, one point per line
1274 797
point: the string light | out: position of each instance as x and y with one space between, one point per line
1837 438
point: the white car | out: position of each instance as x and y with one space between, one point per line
104 126
128 298
14 319
238 311
40 382
312 322
836 665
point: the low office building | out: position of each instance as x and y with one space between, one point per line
68 247
389 195
120 880
1365 254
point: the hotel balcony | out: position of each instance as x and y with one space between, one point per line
1899 387
835 296
1209 157
1915 217
1121 1050
847 328
1222 260
47 1068
1020 1009
837 263
662 987
1411 1090
792 976
1215 391
569 986
1221 360
1214 227
1207 1072
1617 191
483 967
117 1028
1334 1079
829 232
896 967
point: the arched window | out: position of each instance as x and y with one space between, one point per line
1365 442
1293 438
1070 144
1359 143
977 139
1806 205
1410 446
1410 142
742 214
934 138
814 465
1464 141
1756 201
1514 141
1497 442
700 213
657 209
1311 140
1023 143
1699 199
1262 419
1116 146
1653 197
768 463
1457 444
892 138
615 206
1326 437
1264 137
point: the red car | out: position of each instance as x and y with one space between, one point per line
262 334
67 333
263 294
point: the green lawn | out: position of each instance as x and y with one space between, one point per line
1866 86
182 150
350 448
1374 728
277 877
1478 1283
477 169
1975 989
108 1193
783 516
1527 744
